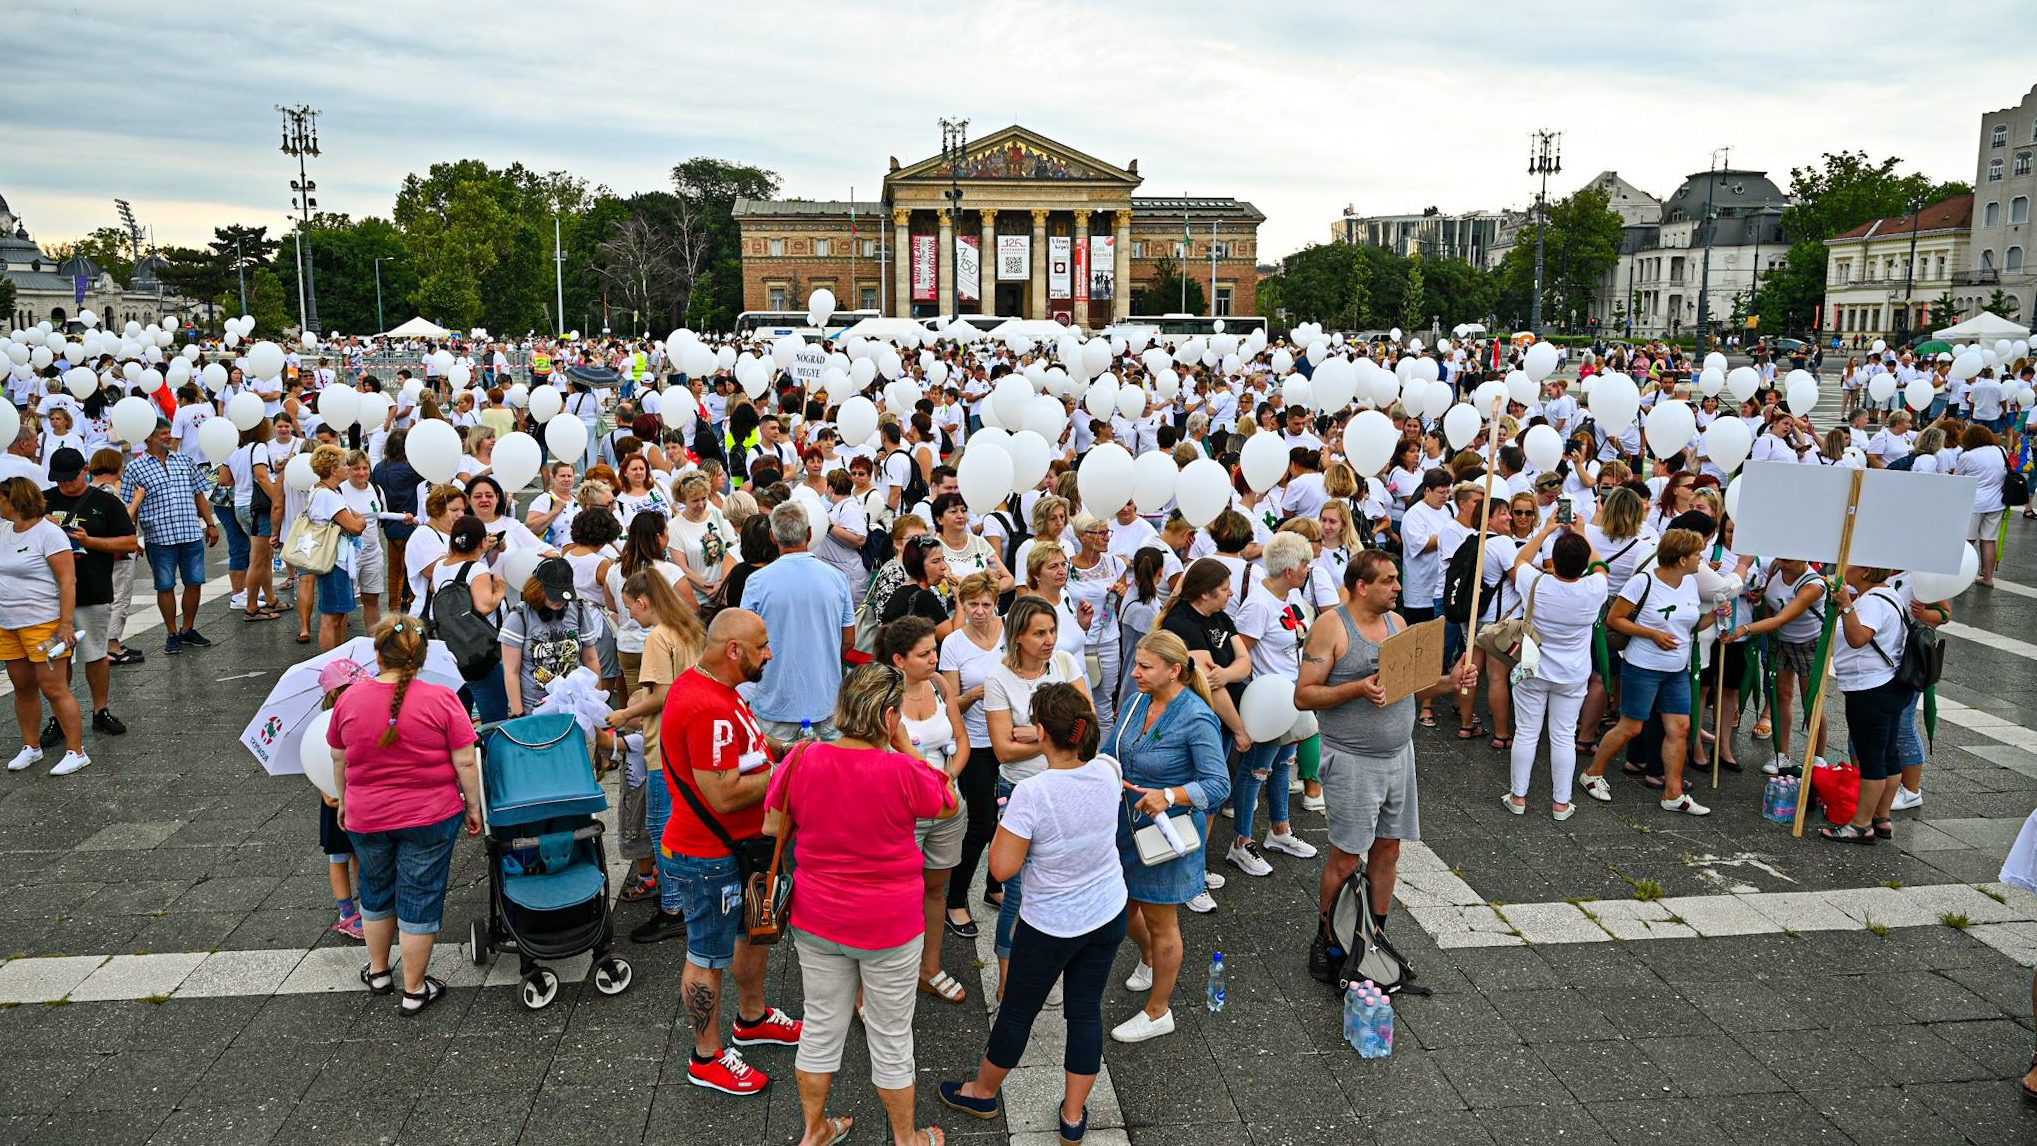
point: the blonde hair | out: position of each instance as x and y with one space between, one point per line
1340 481
1676 545
868 692
328 460
980 584
647 584
1036 561
1173 652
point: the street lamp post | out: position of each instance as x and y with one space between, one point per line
1704 312
380 322
954 141
300 139
1544 159
1909 272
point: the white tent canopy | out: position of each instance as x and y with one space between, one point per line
1985 326
417 328
888 329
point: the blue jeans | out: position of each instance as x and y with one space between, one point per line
489 696
167 562
237 542
1277 761
1909 745
658 810
1007 915
1453 639
404 871
710 894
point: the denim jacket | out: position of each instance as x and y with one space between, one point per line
1184 749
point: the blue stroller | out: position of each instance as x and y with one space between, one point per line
547 875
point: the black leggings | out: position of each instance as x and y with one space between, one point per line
1082 963
978 784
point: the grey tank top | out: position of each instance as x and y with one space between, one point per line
1360 727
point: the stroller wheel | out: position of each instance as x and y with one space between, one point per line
477 943
540 987
612 976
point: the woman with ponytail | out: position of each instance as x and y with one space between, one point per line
404 772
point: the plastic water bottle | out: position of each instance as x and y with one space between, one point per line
1381 1026
1213 995
1357 1016
806 731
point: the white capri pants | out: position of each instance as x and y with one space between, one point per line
1533 700
371 569
829 975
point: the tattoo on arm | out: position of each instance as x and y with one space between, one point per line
1314 659
700 1006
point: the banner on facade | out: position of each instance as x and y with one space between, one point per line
1103 267
926 252
1082 271
968 266
1059 254
1014 258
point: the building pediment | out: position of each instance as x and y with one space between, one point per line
1015 154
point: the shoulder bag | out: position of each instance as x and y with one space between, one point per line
1168 836
312 547
759 857
1507 641
767 895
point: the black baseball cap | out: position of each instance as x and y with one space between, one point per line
556 575
66 464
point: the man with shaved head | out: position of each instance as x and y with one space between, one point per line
718 764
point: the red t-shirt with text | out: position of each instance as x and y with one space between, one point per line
706 727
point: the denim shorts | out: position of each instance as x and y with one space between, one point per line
251 523
168 562
236 541
336 592
404 872
1644 691
710 894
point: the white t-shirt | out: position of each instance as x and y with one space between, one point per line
1865 667
971 663
1669 609
1565 612
1780 591
1074 883
1006 691
28 586
1422 579
1989 464
425 546
1276 629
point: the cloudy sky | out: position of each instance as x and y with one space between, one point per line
1302 108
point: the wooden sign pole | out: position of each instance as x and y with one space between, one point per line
1499 406
1817 721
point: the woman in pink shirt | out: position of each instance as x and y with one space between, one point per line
852 808
403 768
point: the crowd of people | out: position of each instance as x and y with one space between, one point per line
803 625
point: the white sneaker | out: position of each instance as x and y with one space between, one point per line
29 755
1142 1026
1312 803
1202 904
1213 880
1775 766
1230 813
1244 855
1686 805
1294 787
1597 788
71 762
1907 798
238 600
1291 844
1141 979
1507 799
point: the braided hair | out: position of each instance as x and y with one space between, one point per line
400 647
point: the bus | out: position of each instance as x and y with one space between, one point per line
779 323
1174 329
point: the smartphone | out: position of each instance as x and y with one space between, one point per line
1564 514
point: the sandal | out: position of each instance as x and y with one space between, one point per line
1848 834
256 616
304 638
434 990
1883 829
128 657
840 1128
943 987
378 982
1633 769
1586 749
934 1136
1471 732
1655 782
2029 1095
1502 743
1427 720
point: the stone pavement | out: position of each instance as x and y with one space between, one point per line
1624 976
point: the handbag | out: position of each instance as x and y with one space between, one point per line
760 866
312 547
1502 640
1152 841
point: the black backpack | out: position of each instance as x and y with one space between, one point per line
1458 579
1923 659
474 640
1907 461
916 488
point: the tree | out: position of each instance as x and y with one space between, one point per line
1169 291
110 248
344 254
639 263
266 303
1413 314
1841 194
480 242
1582 245
6 295
710 188
2002 303
1943 307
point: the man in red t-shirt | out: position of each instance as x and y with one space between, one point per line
717 762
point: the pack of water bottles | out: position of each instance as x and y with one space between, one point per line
1368 1020
1779 799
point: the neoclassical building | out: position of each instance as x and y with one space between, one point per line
49 290
1045 232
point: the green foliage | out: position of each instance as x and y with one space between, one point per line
1846 191
2003 303
1582 244
480 242
6 296
343 272
1348 287
710 187
1164 293
1413 315
1944 309
109 248
266 303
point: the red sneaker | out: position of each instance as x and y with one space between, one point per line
776 1029
727 1073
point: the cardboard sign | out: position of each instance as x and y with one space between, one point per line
1411 660
1910 521
807 365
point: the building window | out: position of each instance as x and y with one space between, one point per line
2019 209
822 247
867 298
778 297
1941 268
2022 164
1991 215
777 249
1987 260
1223 299
1182 251
1999 137
869 248
1223 250
1138 248
1845 270
2012 261
1994 170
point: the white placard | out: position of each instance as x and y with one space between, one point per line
1014 258
1910 521
807 364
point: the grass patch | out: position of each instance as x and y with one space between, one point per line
63 1002
1997 896
1646 890
1893 884
1678 920
156 999
1880 929
1956 920
1791 932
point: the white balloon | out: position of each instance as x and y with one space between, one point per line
862 372
1096 355
1544 447
315 756
1716 361
821 303
1426 368
1461 424
518 396
1802 395
339 406
1154 476
516 460
374 411
80 381
1131 402
1878 346
857 420
1203 490
1540 361
1490 395
1297 391
1711 381
1102 399
1521 388
1732 497
231 340
1104 479
265 360
984 477
74 352
433 448
1013 398
298 474
1881 387
1919 394
1030 458
1263 460
1046 417
217 437
1670 427
131 371
1727 441
1283 362
1742 382
1436 399
566 437
1267 707
1369 439
786 350
545 404
990 436
39 357
1334 385
442 360
1614 401
133 419
458 377
1933 587
1968 364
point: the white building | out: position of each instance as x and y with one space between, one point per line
1468 236
2004 182
1868 274
1728 221
46 290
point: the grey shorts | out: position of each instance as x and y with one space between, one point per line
1799 657
94 620
1370 798
940 841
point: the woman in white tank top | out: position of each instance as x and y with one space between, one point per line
934 721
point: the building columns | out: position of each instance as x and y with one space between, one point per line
986 264
1121 277
901 259
1080 290
1039 263
944 282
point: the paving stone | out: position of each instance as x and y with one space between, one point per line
1704 1066
231 973
1640 919
1497 1075
136 977
328 969
1466 926
1565 1014
130 836
1440 1127
1909 1054
1990 1113
1569 1125
1658 1120
1719 915
45 980
1554 923
101 1128
1801 911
